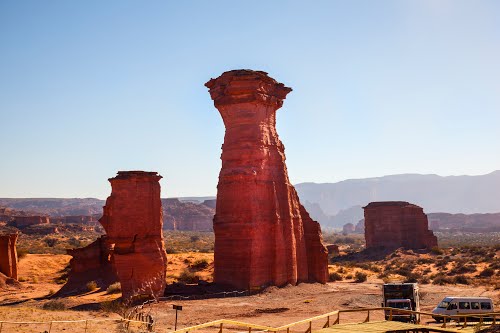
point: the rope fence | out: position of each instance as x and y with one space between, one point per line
146 322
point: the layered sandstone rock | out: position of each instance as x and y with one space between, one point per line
26 221
133 222
393 224
263 235
8 255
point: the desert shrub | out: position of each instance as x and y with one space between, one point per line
170 250
459 269
114 288
460 279
21 253
334 276
436 250
34 279
426 271
61 280
421 261
114 306
194 238
487 272
75 242
22 279
441 279
199 264
54 305
348 277
424 280
411 278
360 277
187 277
341 270
51 292
50 241
91 285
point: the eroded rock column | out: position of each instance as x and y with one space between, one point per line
263 236
8 255
133 222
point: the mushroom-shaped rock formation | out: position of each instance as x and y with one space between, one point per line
263 235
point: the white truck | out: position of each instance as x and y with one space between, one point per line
401 296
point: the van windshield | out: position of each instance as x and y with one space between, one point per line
443 305
399 305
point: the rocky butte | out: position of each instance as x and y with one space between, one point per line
263 235
8 255
393 224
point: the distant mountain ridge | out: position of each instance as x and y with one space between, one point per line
451 194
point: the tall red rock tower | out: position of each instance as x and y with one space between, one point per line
263 235
133 222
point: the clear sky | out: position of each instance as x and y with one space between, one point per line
88 88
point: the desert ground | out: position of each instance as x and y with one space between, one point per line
41 276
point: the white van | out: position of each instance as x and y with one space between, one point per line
453 306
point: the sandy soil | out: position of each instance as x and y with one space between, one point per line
273 307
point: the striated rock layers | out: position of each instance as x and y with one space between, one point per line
133 222
393 224
92 263
263 235
8 255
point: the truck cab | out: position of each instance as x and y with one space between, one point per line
401 296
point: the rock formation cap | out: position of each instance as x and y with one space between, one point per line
246 86
137 174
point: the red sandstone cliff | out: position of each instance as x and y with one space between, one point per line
263 236
393 224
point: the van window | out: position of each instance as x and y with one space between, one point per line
486 305
464 305
474 305
452 306
443 304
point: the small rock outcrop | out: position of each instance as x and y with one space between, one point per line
393 224
133 222
263 235
8 255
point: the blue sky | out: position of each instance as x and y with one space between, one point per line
379 87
